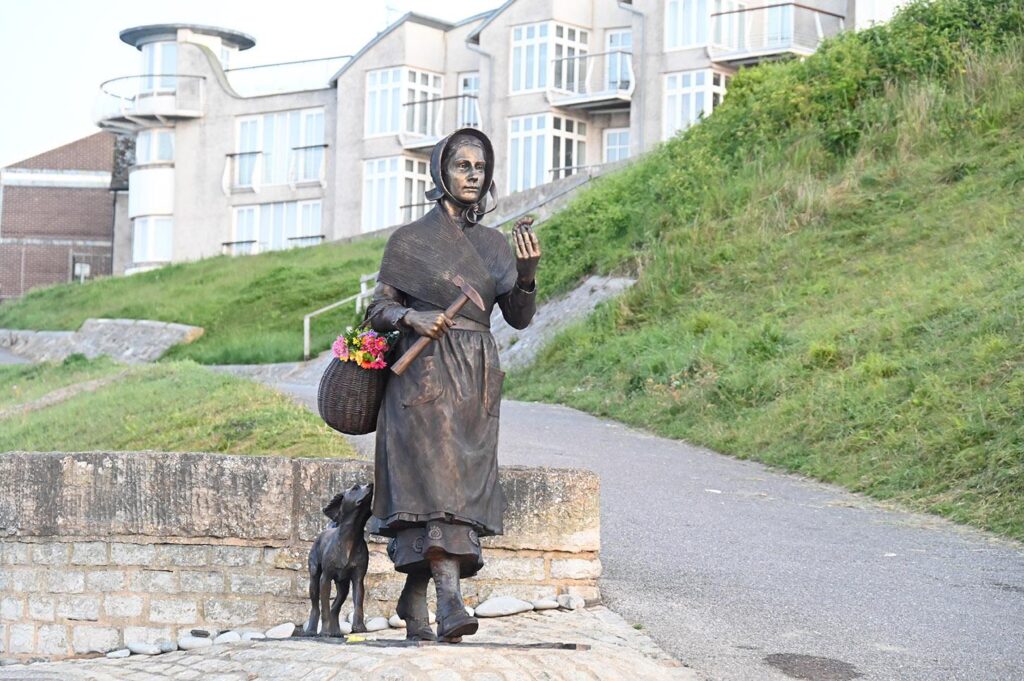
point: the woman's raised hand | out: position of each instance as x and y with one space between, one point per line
527 252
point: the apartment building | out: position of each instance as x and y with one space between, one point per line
57 214
560 86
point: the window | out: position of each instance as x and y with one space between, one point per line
616 144
416 183
730 29
690 95
393 191
280 148
530 57
469 101
686 23
526 146
383 99
570 63
152 239
778 27
159 64
155 145
568 146
617 61
531 140
275 226
422 105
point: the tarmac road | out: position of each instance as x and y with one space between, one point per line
742 572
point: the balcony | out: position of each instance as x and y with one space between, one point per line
428 120
249 171
598 83
750 35
133 102
255 247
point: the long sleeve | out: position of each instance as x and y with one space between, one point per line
518 306
387 308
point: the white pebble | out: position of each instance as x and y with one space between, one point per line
167 646
123 652
376 624
145 648
469 611
194 642
396 622
570 602
545 604
284 630
228 637
501 606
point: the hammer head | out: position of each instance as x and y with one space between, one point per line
470 292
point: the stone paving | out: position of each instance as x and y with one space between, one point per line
505 649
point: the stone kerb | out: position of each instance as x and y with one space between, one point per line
98 549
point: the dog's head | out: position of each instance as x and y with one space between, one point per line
355 501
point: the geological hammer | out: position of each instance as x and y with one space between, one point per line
468 294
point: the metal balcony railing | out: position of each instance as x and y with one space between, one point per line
426 120
132 102
748 35
246 247
600 80
305 240
252 170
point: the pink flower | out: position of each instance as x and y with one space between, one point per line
340 349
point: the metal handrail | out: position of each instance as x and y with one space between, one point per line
364 292
438 123
745 39
742 10
131 99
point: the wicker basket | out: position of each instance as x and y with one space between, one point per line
349 396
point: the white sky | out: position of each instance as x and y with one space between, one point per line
55 53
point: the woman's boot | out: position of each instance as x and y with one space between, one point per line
412 607
453 622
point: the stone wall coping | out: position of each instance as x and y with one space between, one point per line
252 500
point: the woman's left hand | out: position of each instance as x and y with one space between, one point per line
527 252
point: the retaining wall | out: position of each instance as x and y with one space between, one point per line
98 549
125 340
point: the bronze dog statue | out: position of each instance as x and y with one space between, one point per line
339 555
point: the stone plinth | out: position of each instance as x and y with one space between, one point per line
100 549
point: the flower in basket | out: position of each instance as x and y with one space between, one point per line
365 347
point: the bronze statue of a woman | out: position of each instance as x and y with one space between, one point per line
436 488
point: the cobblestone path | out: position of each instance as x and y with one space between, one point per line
499 652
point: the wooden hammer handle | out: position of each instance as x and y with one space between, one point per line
421 344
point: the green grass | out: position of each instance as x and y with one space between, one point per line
853 316
250 307
22 383
171 406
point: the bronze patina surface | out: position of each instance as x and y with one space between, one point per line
436 488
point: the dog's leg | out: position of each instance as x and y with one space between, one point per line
358 574
329 625
314 599
339 600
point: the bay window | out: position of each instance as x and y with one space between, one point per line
402 100
686 23
152 239
159 64
155 145
383 101
689 96
616 144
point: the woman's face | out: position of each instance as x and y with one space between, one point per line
466 170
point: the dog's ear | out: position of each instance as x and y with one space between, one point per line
333 509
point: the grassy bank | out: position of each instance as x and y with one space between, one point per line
172 406
851 316
251 307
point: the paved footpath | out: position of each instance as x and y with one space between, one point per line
609 649
745 573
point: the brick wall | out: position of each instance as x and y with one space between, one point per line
95 152
57 212
98 549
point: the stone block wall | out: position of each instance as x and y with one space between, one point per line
126 340
99 549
